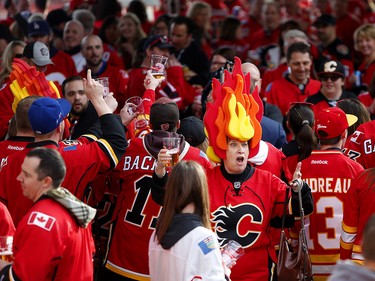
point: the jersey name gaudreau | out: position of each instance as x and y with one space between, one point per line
329 185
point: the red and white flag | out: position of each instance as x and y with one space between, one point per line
42 220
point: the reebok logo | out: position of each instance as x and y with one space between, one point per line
319 162
15 147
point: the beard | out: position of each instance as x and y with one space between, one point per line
78 112
94 63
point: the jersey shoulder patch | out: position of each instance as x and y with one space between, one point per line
41 220
207 245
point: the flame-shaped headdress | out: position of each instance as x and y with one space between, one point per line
235 113
25 80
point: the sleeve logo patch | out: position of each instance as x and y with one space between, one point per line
41 220
207 245
70 148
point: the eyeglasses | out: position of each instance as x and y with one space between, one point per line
333 78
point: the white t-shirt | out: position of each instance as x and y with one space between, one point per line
196 256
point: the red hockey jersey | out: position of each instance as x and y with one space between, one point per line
245 218
83 161
358 207
136 212
13 145
283 92
67 248
329 174
361 145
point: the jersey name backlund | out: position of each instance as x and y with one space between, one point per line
329 185
146 163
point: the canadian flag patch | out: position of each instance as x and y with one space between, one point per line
42 220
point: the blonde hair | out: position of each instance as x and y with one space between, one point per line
139 34
197 6
364 31
7 58
187 183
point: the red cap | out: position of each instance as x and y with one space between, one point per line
332 122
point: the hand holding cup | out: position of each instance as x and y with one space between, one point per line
135 107
158 64
173 149
231 253
105 83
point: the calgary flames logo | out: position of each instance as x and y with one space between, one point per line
242 223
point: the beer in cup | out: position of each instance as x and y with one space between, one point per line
173 148
6 244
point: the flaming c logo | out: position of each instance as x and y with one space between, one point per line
241 223
330 66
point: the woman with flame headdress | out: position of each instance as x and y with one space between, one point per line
244 201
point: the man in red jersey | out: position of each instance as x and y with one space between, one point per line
57 223
24 133
136 212
63 65
330 174
174 86
288 38
297 85
92 51
355 270
358 208
85 157
72 36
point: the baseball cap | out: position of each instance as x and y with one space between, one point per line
159 41
38 52
45 114
325 20
192 129
38 28
332 122
332 67
164 114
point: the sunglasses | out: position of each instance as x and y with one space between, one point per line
333 78
18 56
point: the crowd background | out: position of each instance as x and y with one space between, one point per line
304 57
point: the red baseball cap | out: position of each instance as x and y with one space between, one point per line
332 122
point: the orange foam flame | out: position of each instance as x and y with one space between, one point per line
235 113
25 80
